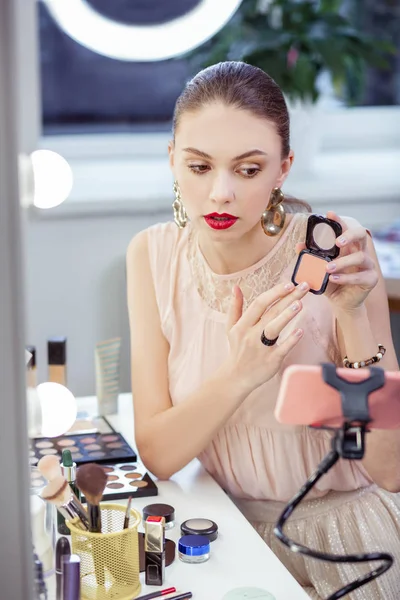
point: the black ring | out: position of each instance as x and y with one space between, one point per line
266 341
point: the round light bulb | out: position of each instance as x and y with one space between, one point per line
58 408
88 27
52 178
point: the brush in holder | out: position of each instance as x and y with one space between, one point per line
109 560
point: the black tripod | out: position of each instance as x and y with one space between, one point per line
348 442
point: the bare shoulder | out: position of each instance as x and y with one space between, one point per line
160 238
137 248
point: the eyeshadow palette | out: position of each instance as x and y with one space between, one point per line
126 480
96 447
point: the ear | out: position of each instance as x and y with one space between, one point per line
286 165
171 151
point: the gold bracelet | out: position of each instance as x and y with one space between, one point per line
365 363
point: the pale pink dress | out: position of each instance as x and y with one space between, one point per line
258 461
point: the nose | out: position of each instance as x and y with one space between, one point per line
222 191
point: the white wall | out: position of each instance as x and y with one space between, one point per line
75 270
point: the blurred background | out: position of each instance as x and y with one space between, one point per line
104 103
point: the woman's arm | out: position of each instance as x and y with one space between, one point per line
359 333
167 437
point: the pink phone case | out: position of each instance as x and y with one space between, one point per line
305 399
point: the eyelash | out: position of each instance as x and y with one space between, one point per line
201 169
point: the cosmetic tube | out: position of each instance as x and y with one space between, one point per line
154 547
71 577
57 360
107 364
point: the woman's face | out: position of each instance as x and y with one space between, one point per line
226 162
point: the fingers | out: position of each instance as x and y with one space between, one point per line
258 307
299 247
365 279
279 307
282 349
356 235
349 235
235 308
334 217
274 326
359 259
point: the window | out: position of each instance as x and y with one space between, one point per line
380 19
111 118
84 91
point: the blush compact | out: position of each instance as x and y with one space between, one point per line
320 248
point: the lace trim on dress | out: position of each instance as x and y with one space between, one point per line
216 290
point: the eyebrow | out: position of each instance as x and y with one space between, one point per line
255 152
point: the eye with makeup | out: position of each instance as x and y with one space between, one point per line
198 169
247 172
250 172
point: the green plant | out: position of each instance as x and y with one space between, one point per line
294 41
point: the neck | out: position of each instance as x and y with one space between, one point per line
225 258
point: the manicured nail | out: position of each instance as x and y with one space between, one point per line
342 241
289 286
304 286
335 277
295 306
331 266
298 332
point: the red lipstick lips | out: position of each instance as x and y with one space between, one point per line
220 221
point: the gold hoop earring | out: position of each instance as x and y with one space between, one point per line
180 215
273 218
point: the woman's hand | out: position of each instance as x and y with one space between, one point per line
352 275
250 361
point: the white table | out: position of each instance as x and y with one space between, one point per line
239 557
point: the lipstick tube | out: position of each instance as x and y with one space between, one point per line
154 547
71 566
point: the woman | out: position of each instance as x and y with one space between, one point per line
207 300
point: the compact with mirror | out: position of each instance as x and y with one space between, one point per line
320 248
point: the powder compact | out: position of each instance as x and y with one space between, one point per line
124 480
96 447
320 248
160 510
203 527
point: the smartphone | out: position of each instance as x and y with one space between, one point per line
305 399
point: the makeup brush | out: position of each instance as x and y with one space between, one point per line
127 515
59 493
49 467
91 479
